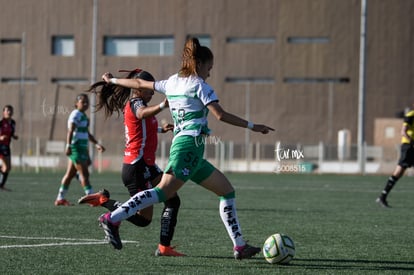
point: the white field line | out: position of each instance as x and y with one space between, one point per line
65 241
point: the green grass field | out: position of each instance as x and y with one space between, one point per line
335 223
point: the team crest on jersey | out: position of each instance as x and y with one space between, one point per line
185 171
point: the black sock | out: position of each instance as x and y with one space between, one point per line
390 184
3 178
169 220
111 205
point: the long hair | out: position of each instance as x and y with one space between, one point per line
113 98
193 53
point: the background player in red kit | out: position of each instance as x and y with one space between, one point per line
7 128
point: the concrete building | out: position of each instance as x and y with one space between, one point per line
292 64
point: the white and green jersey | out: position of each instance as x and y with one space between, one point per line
80 134
188 98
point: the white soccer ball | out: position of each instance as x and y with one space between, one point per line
278 249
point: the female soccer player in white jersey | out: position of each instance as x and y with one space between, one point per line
190 99
139 170
77 139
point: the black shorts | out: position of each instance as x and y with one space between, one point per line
138 176
407 156
4 150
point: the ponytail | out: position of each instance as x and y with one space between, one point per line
193 53
112 98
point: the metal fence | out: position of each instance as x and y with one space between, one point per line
232 157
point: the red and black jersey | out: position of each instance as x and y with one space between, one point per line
140 134
7 128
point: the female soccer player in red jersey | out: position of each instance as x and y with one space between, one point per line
7 128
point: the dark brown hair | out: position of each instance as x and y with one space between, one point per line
8 107
113 98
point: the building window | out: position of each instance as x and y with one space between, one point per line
299 80
18 80
138 46
255 80
251 40
10 41
307 40
69 80
63 45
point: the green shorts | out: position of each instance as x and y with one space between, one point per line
79 154
186 159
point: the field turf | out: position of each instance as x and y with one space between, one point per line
333 219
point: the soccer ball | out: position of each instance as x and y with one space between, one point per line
278 249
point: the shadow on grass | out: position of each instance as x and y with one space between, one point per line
351 264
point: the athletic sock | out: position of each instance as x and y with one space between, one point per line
62 192
169 220
111 205
3 178
137 202
390 184
88 189
136 219
230 220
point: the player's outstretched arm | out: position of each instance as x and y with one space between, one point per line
220 114
133 83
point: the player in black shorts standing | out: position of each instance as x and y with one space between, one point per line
406 157
7 128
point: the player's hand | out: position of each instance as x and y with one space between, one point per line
107 76
166 103
100 147
167 127
262 128
68 151
15 137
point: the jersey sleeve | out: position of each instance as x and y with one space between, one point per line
136 104
160 86
72 119
207 94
